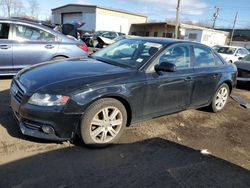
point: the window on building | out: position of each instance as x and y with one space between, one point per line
147 34
155 34
169 35
164 35
192 36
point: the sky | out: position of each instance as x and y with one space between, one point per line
161 10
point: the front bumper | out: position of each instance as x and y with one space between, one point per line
32 119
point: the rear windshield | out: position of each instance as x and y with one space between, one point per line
226 50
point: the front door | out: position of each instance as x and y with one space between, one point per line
170 92
5 49
32 45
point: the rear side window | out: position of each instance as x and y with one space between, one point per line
218 60
33 34
4 30
203 57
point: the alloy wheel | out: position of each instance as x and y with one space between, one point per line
221 98
106 125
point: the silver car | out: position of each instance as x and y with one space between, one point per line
24 43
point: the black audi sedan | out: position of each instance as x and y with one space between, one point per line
132 80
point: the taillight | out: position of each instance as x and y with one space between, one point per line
84 47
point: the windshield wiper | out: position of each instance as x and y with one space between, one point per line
111 62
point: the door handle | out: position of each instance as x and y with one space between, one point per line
5 47
188 79
49 46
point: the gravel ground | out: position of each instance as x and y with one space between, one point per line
164 152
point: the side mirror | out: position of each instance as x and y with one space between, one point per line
165 67
240 58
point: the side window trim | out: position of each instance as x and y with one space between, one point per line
150 68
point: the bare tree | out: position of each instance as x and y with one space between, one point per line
33 7
12 7
18 8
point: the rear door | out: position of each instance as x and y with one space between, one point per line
32 45
5 48
206 75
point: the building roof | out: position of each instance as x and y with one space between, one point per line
100 7
239 34
185 26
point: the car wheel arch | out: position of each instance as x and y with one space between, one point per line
57 57
121 99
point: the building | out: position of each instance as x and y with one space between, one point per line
154 29
203 35
97 18
241 37
210 37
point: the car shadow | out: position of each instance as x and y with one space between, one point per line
149 163
243 86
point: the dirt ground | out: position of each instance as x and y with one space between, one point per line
164 152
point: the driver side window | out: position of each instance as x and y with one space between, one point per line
178 55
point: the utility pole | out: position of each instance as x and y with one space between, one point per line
215 15
232 34
177 19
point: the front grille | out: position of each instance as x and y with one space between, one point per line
244 74
17 91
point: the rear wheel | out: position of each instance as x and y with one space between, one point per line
220 98
103 122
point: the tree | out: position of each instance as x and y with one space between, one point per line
33 7
12 7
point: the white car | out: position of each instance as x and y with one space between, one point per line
231 53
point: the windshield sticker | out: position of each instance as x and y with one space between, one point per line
151 44
139 60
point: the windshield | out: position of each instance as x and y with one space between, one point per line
226 50
129 52
247 58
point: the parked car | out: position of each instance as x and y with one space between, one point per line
231 53
243 67
129 81
89 38
24 43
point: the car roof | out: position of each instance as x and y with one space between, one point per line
164 41
29 21
227 46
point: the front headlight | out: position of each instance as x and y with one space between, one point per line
48 100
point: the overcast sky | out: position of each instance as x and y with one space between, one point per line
160 10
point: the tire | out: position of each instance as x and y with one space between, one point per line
103 122
220 98
58 58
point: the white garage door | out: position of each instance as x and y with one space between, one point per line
70 17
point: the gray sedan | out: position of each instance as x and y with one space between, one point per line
24 43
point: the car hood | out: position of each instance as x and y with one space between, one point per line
225 55
57 72
244 65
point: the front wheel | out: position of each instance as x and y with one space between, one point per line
220 98
103 122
